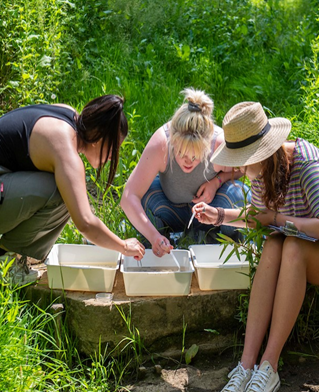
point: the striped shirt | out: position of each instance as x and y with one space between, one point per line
302 198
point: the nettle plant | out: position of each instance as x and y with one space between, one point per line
251 247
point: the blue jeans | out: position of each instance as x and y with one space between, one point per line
170 217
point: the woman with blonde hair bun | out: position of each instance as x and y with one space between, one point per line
175 172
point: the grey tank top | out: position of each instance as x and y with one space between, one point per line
180 187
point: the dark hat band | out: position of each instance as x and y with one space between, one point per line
249 140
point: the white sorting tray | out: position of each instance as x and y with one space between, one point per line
213 274
82 267
157 276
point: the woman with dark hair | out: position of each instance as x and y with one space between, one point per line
42 176
285 188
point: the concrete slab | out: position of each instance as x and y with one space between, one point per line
159 321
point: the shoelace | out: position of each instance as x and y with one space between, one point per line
258 380
239 374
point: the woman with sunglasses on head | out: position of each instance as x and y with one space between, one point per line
284 179
42 176
175 172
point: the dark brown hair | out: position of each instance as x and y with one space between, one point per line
275 176
103 118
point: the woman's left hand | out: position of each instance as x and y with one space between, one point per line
206 192
265 217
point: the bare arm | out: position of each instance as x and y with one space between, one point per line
309 226
226 169
208 215
233 217
153 161
56 152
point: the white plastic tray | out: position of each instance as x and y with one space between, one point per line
82 267
157 276
213 274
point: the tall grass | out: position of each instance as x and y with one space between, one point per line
38 353
147 51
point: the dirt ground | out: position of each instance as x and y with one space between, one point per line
209 374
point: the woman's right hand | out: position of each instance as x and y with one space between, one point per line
204 213
134 248
161 246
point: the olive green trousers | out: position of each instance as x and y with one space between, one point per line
32 213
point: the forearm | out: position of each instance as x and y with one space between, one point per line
219 216
309 226
223 177
99 234
137 216
235 218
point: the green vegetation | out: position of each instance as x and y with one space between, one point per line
147 51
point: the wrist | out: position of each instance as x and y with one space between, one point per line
220 216
125 247
220 182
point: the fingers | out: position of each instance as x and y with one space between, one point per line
135 248
161 247
200 208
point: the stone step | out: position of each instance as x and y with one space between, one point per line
161 321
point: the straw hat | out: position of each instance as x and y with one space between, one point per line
249 136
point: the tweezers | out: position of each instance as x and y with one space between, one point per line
191 220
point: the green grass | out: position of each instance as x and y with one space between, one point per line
38 353
147 51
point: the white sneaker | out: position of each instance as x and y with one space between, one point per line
239 378
18 271
264 379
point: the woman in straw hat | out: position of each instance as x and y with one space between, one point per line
175 172
285 187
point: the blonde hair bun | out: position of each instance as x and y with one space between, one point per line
192 125
201 99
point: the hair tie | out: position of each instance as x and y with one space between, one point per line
194 107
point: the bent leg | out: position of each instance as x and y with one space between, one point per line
262 299
300 262
32 214
162 212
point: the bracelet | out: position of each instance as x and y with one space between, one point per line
275 218
219 179
220 216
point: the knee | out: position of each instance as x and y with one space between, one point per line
242 193
272 250
234 194
293 251
50 191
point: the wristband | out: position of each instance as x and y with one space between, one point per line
220 216
219 179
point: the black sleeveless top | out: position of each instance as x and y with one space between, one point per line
15 130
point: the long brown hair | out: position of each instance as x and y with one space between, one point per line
276 175
103 118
